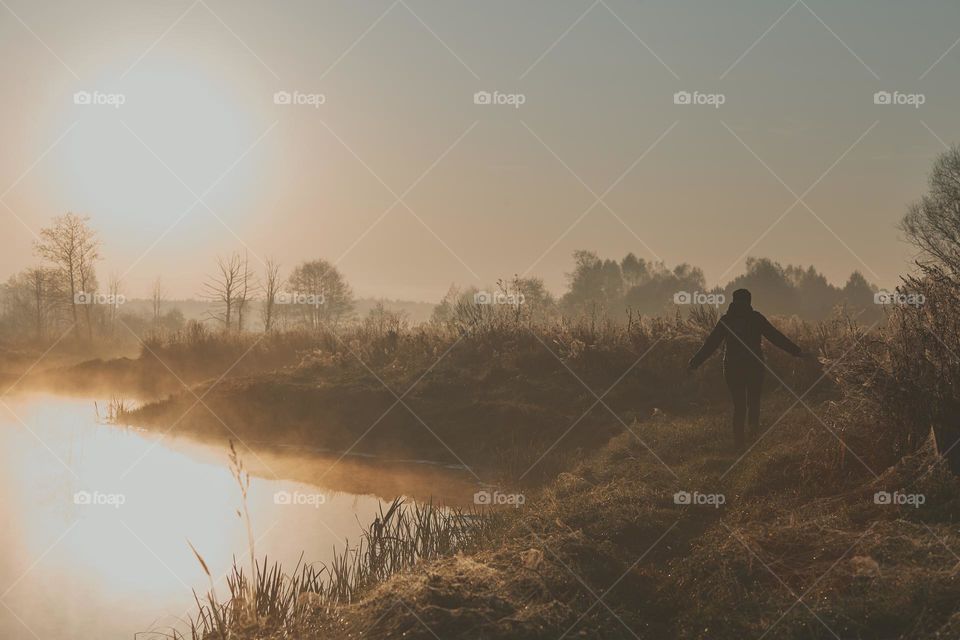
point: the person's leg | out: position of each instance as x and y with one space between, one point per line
738 394
754 386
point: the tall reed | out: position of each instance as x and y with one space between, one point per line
263 597
402 535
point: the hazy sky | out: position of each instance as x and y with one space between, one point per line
200 160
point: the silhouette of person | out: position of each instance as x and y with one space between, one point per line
740 330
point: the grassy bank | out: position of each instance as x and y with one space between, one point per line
640 522
494 400
799 548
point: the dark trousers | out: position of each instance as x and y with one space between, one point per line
745 384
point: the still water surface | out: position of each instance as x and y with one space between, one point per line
96 518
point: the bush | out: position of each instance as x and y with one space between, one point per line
904 377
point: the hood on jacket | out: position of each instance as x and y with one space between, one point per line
741 302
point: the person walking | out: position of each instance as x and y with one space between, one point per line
741 330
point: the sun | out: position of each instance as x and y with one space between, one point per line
165 143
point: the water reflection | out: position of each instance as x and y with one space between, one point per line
97 518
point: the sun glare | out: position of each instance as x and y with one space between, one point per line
166 138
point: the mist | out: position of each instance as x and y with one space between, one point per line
497 320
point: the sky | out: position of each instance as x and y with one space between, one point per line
360 132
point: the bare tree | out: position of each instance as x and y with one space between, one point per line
73 249
45 298
244 293
31 301
321 294
37 278
115 299
223 288
156 300
271 287
933 223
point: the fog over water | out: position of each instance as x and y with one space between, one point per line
97 517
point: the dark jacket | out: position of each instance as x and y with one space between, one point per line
740 330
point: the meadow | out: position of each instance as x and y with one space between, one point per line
599 425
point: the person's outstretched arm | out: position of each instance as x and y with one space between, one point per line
709 345
772 334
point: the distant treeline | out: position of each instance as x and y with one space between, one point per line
62 295
604 288
650 288
38 303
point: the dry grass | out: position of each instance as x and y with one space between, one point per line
115 410
610 527
265 598
799 550
498 397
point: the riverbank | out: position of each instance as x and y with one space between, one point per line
515 405
799 548
167 365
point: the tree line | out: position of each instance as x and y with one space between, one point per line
61 294
651 288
